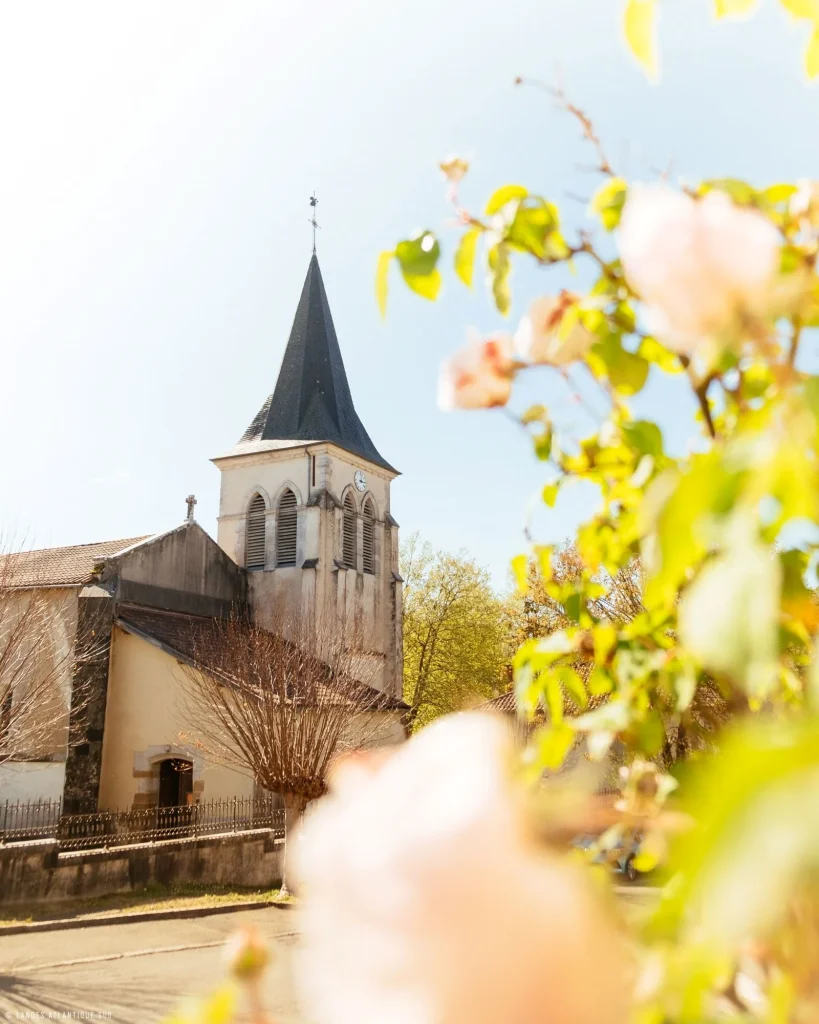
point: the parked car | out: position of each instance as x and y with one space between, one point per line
622 863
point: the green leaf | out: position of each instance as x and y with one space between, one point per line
543 444
754 804
685 686
465 255
605 640
500 267
505 194
608 202
535 414
553 693
651 852
645 437
425 285
418 256
381 282
626 371
674 513
651 350
520 570
779 193
740 191
729 616
550 492
554 743
651 734
734 8
640 28
802 8
534 224
573 685
812 55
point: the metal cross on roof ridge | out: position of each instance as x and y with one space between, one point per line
313 221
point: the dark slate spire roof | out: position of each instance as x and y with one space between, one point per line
312 400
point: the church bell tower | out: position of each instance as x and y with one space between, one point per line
305 500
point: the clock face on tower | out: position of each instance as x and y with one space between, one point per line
360 480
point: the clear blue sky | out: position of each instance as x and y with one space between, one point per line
157 160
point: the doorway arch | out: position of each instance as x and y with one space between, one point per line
175 782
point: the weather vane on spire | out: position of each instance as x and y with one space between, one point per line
313 221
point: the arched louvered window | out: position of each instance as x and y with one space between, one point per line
368 537
349 543
255 533
286 522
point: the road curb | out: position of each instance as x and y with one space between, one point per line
179 914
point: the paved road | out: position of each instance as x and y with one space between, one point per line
139 989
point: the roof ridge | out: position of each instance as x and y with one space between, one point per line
75 547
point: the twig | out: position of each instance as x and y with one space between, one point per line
797 335
589 134
705 408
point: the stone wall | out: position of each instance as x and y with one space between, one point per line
38 871
89 695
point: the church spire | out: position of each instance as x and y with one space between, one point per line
312 400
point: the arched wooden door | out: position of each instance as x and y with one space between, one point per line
175 782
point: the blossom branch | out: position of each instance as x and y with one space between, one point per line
586 124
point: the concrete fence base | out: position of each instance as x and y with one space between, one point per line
38 871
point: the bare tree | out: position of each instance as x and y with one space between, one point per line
280 706
38 651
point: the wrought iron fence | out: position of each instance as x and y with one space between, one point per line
44 819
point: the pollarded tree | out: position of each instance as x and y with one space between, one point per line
280 706
455 642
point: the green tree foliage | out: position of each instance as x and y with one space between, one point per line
455 643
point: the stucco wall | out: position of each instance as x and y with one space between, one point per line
375 730
31 780
363 602
145 723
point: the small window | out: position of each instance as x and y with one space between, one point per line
255 536
286 523
349 545
368 537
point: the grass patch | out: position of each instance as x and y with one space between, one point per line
154 897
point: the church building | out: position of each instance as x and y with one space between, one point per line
304 530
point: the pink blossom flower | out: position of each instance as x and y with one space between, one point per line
804 204
478 376
542 336
425 901
704 267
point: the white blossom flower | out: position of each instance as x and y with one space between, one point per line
424 901
703 267
542 337
478 376
804 204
